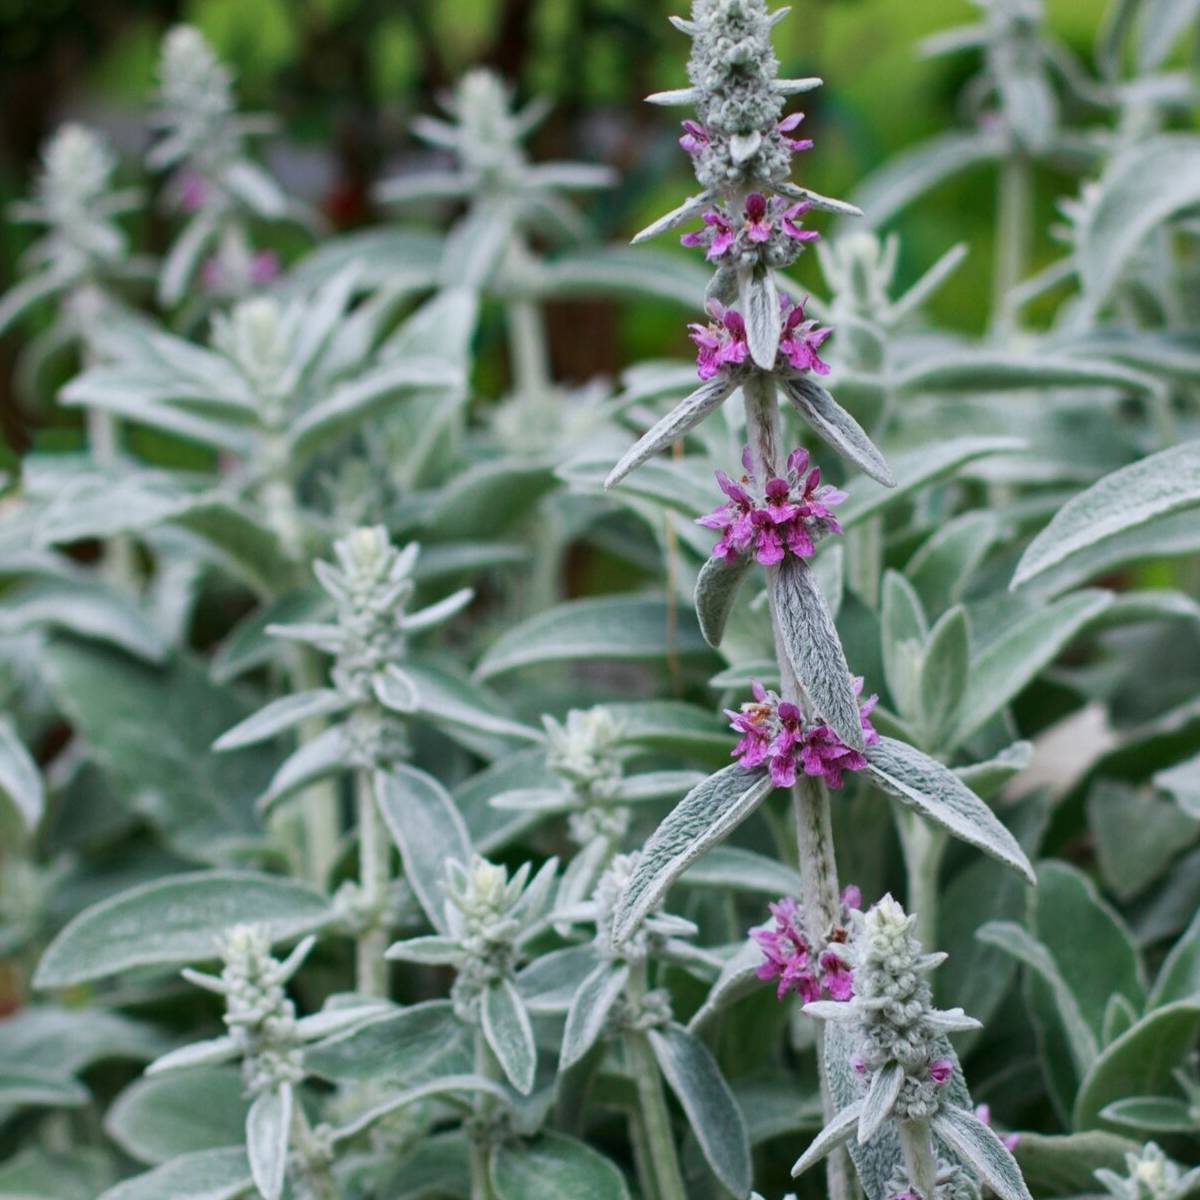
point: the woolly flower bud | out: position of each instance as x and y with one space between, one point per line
1150 1175
77 168
489 136
255 337
583 749
195 95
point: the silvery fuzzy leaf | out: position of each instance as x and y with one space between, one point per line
814 649
441 328
717 587
87 608
222 1174
794 191
476 244
683 418
595 271
434 950
880 1099
1154 487
21 1085
703 818
509 1034
590 1009
903 633
26 293
1030 108
628 628
1154 1115
980 1148
676 97
744 146
458 1086
353 402
402 261
938 794
539 800
448 700
427 830
422 187
928 284
987 778
1017 941
943 679
325 755
157 1120
184 257
256 189
1025 646
570 176
759 301
837 1133
549 983
738 978
953 1020
693 206
942 568
176 920
737 869
212 1052
439 613
551 1167
914 469
655 785
338 1018
910 174
796 87
835 426
395 690
989 371
268 1131
416 1044
1182 783
20 779
716 1120
1163 23
1125 213
284 713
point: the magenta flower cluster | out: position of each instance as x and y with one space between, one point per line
721 344
776 735
696 138
788 958
791 515
765 225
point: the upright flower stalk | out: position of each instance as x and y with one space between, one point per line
758 338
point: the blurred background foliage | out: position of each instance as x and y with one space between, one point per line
345 77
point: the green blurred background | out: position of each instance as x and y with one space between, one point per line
346 76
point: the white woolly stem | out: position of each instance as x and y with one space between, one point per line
820 896
920 1161
371 972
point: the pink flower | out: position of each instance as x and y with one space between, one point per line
786 126
758 226
264 268
839 979
775 733
802 339
192 190
852 899
695 137
794 511
983 1114
717 234
762 220
941 1071
858 1064
721 343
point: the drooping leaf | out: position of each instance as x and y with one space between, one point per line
979 1147
703 818
268 1127
693 1075
552 1167
938 794
20 779
206 1175
1154 487
814 650
717 587
427 829
509 1034
174 921
589 1010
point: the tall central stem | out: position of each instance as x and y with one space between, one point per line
820 896
371 966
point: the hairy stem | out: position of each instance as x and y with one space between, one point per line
924 848
371 966
313 1179
529 351
653 1114
820 899
488 1068
1012 237
318 802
